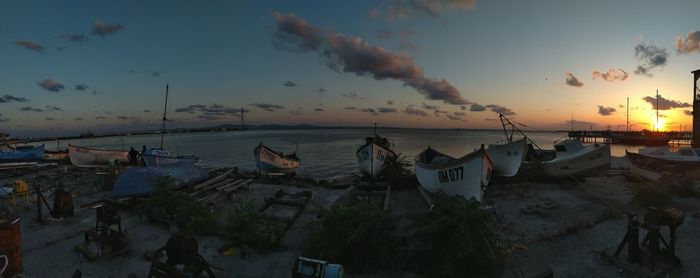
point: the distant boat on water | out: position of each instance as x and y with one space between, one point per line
467 176
270 161
372 155
95 157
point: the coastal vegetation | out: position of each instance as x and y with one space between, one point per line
177 207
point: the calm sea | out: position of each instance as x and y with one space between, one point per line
325 153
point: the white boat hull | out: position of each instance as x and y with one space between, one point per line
93 157
270 161
507 158
643 173
371 159
594 157
467 178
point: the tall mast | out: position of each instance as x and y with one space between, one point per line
657 110
242 118
628 113
375 129
165 111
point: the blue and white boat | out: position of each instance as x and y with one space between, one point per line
138 181
270 161
159 157
22 154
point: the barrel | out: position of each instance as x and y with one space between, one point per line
11 244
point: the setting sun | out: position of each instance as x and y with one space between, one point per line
660 125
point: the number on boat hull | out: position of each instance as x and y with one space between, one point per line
451 175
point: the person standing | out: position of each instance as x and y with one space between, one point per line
133 156
143 152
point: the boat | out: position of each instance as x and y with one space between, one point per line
58 155
95 157
652 163
571 157
372 155
138 181
466 176
270 161
682 155
22 154
159 157
507 157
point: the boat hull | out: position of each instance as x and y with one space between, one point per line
268 161
152 160
94 157
371 158
56 155
30 154
507 158
467 176
137 181
589 162
650 168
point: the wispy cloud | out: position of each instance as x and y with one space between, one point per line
664 103
349 95
386 110
30 109
49 119
369 110
477 107
289 84
691 43
611 75
77 37
354 55
318 110
11 98
267 107
405 9
500 109
49 108
571 80
31 45
350 108
414 111
50 85
390 102
78 119
100 118
606 111
81 87
651 56
103 29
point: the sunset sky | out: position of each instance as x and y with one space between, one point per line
67 67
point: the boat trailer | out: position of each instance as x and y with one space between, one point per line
655 255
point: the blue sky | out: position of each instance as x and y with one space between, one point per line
220 56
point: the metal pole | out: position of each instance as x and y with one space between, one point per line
165 110
657 110
628 114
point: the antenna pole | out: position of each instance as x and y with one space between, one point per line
242 124
375 129
165 111
657 110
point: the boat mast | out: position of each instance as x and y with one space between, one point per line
657 110
165 111
628 114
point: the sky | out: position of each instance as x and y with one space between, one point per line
68 67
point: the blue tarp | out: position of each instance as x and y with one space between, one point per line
137 181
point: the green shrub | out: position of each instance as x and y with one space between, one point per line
358 236
455 239
248 226
184 210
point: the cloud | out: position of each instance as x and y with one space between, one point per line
49 108
31 45
11 98
458 113
477 107
500 110
606 111
267 107
320 91
454 117
691 43
611 75
49 119
580 123
390 102
78 119
50 85
296 112
289 84
102 29
350 108
30 109
157 73
571 80
354 55
122 117
100 118
651 56
386 110
81 87
369 110
349 95
688 112
78 37
664 103
415 111
404 9
319 110
146 111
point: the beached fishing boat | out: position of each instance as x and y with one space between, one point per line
466 176
507 157
270 161
157 157
22 154
138 181
683 154
651 163
372 155
571 157
95 157
59 155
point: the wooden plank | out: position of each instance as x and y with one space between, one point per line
238 186
229 184
214 179
387 197
216 184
